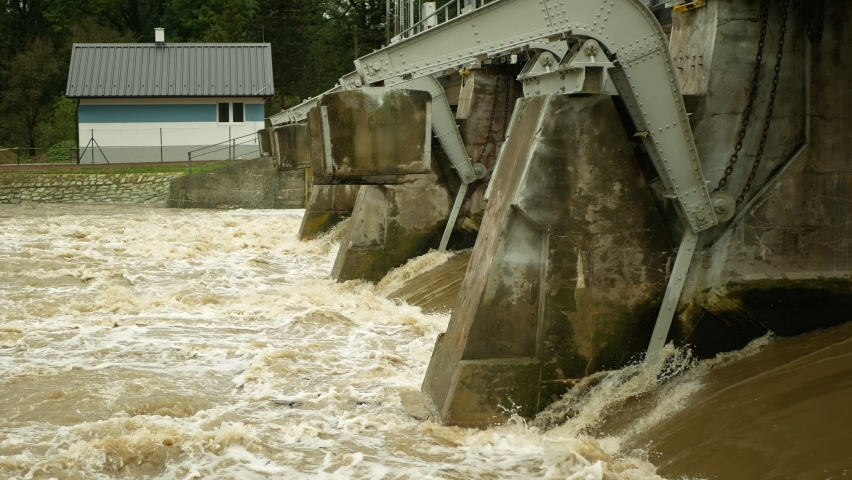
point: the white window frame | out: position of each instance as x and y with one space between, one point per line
231 114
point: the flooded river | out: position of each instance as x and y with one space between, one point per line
140 342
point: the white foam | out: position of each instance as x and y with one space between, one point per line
154 342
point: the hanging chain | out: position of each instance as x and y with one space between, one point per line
752 94
491 120
772 95
815 31
506 106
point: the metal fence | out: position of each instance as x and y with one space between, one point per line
162 145
410 17
14 150
230 147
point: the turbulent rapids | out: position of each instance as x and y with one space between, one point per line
150 343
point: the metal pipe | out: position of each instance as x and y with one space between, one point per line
411 13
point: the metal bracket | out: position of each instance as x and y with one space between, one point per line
685 7
579 72
454 215
724 205
672 296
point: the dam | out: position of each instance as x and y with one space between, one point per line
500 272
621 185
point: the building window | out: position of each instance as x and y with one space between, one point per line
239 115
224 112
232 112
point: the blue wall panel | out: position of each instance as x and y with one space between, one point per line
152 113
254 112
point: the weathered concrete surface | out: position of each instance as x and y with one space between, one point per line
292 146
567 272
245 184
391 224
382 141
717 88
371 136
485 107
328 206
436 290
786 265
267 149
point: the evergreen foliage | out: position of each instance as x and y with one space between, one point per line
313 45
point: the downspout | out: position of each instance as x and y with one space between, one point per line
77 131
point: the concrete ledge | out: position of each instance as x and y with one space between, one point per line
245 184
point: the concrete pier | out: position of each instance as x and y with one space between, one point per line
327 206
391 224
382 141
567 272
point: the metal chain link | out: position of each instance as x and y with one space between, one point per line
815 31
491 121
752 94
772 95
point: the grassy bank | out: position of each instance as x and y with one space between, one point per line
197 167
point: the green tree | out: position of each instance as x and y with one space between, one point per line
229 26
62 124
31 79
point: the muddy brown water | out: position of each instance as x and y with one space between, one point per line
140 342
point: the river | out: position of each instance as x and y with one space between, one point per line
141 342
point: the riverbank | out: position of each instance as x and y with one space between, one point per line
118 183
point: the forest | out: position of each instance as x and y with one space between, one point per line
313 44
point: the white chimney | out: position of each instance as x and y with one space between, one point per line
160 37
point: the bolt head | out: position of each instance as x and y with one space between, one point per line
720 206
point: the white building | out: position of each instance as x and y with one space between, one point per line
156 102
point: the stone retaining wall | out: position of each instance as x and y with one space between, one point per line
86 188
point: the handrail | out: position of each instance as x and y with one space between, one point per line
230 145
421 25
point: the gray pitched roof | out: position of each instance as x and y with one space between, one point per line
173 70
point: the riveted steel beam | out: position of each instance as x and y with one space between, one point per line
444 127
631 38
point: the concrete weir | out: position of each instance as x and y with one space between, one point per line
567 272
614 207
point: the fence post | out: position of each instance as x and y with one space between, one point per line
92 142
161 145
18 146
189 161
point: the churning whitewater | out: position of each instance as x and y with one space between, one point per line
149 343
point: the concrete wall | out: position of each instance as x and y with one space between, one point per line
245 184
785 263
85 188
